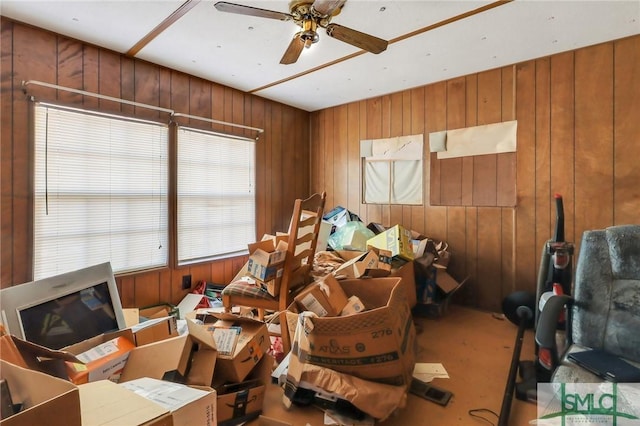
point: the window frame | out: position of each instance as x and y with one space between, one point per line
164 142
242 248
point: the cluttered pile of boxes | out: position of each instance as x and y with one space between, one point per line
351 332
214 373
421 261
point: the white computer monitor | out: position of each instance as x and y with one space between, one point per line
65 309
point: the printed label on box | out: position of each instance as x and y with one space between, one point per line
312 304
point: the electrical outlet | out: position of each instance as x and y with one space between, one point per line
186 282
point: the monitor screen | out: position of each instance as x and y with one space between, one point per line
64 309
69 319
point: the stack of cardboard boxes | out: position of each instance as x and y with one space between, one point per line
266 262
352 338
352 333
141 375
423 262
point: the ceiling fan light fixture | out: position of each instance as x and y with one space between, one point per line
309 15
309 37
308 33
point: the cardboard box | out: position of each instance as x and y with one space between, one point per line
47 400
377 344
35 357
154 330
107 403
188 405
158 311
266 260
353 306
407 272
266 266
242 402
252 343
373 263
435 292
189 358
396 239
324 298
103 361
8 349
337 217
272 286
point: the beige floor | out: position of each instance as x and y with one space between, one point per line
475 349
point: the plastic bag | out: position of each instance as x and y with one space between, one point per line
351 236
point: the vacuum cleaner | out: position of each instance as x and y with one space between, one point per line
523 309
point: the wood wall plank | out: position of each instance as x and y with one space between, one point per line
594 137
562 143
417 128
626 131
329 158
70 69
374 131
147 89
506 162
528 258
354 179
109 81
451 168
471 119
489 111
543 151
90 75
6 153
290 131
341 156
37 61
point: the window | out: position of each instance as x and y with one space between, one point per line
392 170
216 210
100 192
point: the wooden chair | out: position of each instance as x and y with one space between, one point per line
301 248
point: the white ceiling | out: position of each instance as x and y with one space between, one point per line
244 52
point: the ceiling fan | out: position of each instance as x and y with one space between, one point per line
309 15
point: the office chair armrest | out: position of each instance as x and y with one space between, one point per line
547 327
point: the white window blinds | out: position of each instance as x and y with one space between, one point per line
100 192
216 211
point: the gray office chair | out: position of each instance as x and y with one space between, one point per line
604 311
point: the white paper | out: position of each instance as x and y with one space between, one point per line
189 304
426 371
481 140
437 141
226 339
332 418
170 396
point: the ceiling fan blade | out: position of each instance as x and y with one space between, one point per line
292 53
327 7
356 38
224 6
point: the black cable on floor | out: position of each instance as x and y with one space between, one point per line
473 413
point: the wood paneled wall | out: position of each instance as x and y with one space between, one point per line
578 135
29 53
